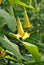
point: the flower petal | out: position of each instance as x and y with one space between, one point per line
26 35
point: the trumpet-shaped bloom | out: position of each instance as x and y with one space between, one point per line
27 23
19 2
2 54
20 29
21 33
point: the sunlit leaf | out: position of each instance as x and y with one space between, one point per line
11 58
33 50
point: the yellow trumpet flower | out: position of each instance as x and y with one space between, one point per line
19 2
21 33
27 23
0 2
2 53
20 29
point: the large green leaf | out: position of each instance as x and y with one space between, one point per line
2 22
33 50
11 47
10 20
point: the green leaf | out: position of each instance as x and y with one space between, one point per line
33 50
10 20
42 58
11 47
10 58
2 22
13 63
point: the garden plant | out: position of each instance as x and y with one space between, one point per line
21 32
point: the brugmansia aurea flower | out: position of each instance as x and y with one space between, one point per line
21 33
0 2
19 2
2 53
19 27
27 23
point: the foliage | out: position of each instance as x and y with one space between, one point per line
21 32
